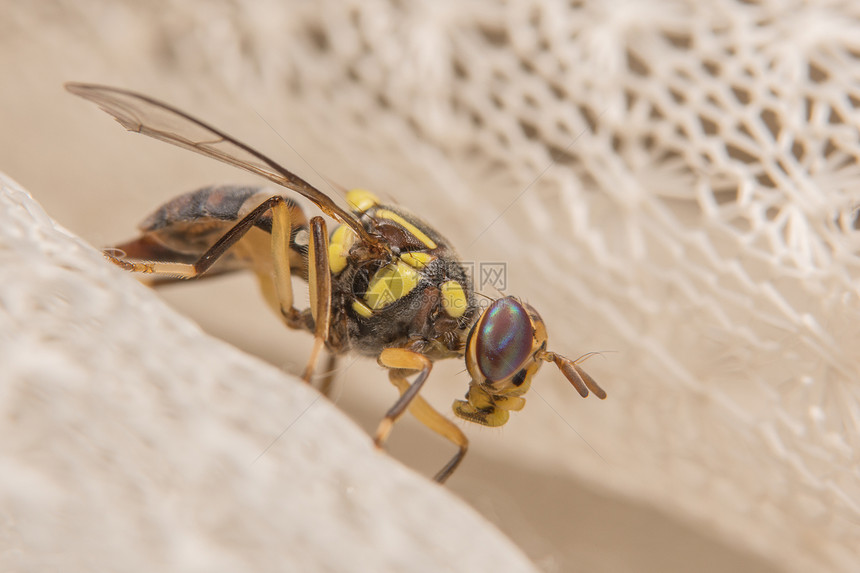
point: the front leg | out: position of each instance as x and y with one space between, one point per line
401 362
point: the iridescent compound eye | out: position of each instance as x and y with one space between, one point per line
504 339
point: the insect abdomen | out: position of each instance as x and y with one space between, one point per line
183 229
205 214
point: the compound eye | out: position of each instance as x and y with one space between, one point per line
504 339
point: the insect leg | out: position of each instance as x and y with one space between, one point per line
281 227
319 284
427 415
325 386
400 361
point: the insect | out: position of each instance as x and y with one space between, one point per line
384 284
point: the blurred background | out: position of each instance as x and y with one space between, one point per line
671 185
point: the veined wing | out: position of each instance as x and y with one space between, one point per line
143 114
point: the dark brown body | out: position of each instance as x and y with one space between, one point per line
185 227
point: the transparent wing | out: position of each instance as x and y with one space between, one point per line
148 116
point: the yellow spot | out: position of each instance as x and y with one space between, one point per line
510 403
453 299
361 200
390 283
361 309
391 216
417 260
341 242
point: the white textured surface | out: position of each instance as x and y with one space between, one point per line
131 441
677 182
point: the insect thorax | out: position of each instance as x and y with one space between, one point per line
420 297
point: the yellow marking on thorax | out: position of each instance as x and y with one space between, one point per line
418 233
340 243
417 259
389 284
361 200
361 309
454 300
